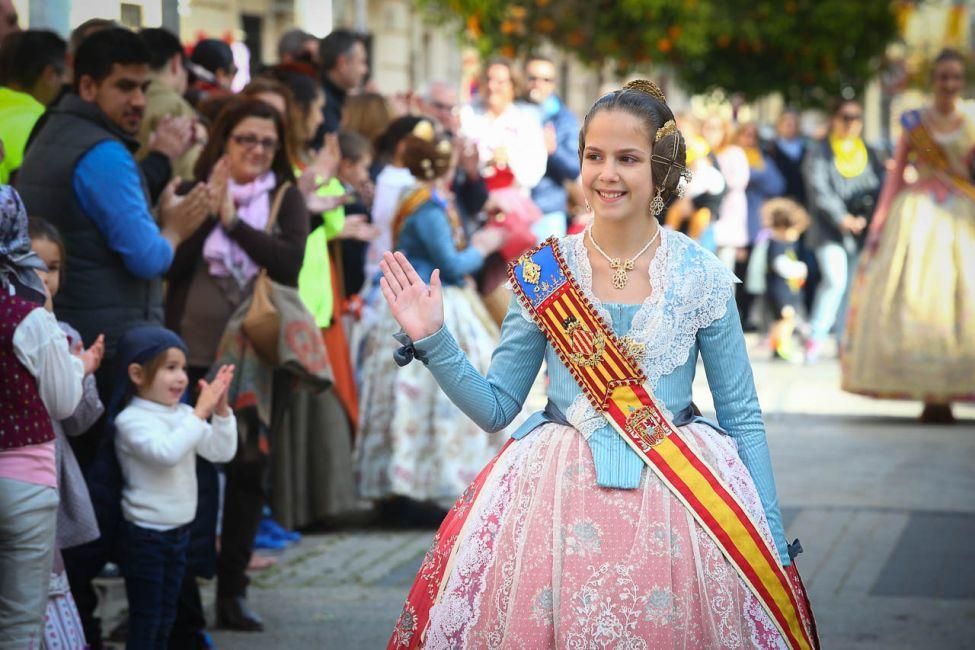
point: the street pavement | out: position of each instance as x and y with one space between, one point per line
884 506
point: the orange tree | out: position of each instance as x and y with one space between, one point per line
806 49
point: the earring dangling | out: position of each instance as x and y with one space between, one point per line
657 205
588 207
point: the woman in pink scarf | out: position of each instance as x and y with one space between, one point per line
244 162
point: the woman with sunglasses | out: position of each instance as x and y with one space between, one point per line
912 316
246 163
843 178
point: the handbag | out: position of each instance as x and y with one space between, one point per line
262 322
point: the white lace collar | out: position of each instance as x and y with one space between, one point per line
690 290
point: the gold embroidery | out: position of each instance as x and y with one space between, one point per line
633 349
646 425
586 346
530 271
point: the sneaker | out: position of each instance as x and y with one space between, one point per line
272 528
265 541
813 350
788 353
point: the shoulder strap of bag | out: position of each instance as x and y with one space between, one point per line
276 206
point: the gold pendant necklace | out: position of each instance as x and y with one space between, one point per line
619 265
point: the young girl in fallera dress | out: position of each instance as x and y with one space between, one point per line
912 313
564 540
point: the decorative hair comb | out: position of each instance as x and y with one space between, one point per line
424 131
648 87
669 128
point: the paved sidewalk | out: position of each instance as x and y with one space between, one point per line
885 509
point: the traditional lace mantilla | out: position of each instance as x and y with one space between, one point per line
690 290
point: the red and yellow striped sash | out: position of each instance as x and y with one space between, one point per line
614 384
930 151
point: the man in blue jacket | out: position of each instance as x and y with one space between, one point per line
562 139
79 173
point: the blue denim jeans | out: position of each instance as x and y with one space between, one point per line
154 567
836 268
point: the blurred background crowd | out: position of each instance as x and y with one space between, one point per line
173 161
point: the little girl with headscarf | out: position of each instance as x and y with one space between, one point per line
76 521
157 438
40 380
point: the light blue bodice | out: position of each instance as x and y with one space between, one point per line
691 312
427 240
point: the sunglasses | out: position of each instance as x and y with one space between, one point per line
251 141
851 117
545 79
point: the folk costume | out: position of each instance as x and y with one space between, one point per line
412 441
607 520
911 328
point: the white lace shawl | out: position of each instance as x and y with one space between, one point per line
690 289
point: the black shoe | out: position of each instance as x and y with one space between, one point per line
937 414
234 614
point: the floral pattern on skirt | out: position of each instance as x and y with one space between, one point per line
62 624
549 559
413 441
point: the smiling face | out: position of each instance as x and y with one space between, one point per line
949 80
250 148
500 91
616 177
167 383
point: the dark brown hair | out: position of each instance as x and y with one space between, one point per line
668 160
41 228
236 111
426 159
293 118
152 366
949 54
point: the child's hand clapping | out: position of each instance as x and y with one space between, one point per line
213 395
92 357
223 404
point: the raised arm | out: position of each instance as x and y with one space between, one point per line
492 401
729 374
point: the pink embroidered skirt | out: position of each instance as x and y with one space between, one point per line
537 555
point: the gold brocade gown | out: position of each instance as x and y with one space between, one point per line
911 326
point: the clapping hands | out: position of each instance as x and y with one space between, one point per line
91 358
214 396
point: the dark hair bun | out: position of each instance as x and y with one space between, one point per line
426 159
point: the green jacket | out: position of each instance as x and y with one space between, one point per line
18 114
315 279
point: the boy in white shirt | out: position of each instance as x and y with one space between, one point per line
156 439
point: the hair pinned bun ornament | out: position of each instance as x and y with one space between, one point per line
648 87
669 128
424 131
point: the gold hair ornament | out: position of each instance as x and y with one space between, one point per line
669 128
424 131
648 87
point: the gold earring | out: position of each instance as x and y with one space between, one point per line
588 207
657 205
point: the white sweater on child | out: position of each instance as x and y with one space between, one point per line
156 447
